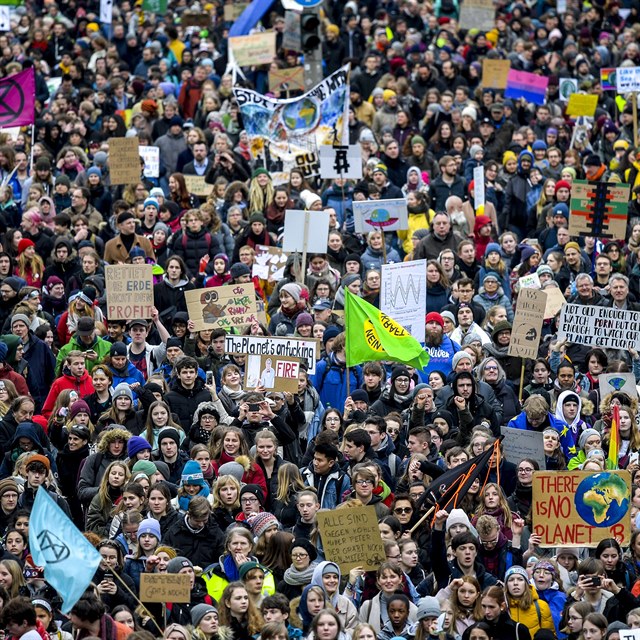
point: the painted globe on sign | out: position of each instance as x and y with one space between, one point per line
602 500
301 116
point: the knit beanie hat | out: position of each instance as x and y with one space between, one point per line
200 611
8 484
585 435
572 245
178 563
20 317
293 289
234 469
245 567
144 466
304 320
460 355
152 202
24 244
79 406
192 474
239 269
562 184
122 391
457 516
255 490
150 525
261 522
135 445
428 607
516 570
168 432
434 316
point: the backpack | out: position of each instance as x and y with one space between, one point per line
207 236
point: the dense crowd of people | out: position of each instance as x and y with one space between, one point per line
143 430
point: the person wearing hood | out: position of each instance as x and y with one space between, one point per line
168 294
7 372
26 438
498 347
420 216
492 373
545 580
525 605
514 213
64 261
74 376
491 293
569 410
69 460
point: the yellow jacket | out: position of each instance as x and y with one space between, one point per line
416 221
537 616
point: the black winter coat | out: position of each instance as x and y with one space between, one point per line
202 548
184 402
192 247
68 463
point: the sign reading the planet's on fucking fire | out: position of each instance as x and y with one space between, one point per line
581 508
380 215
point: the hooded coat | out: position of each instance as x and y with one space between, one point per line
342 605
25 430
535 617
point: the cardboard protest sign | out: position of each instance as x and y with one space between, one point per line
305 231
494 73
306 349
269 263
520 443
165 587
151 157
274 373
627 79
403 295
287 79
197 186
581 104
555 302
292 35
380 215
124 160
581 508
530 281
567 87
256 49
341 161
129 291
599 209
234 10
527 323
625 382
232 305
600 326
351 538
189 19
608 79
477 14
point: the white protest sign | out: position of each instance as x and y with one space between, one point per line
403 295
530 281
381 215
269 263
305 231
627 79
629 634
478 186
343 161
520 443
5 19
269 346
611 382
106 11
151 156
600 326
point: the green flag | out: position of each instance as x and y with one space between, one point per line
373 335
155 6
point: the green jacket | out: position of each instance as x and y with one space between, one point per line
100 346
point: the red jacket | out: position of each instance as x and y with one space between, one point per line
7 373
84 387
253 475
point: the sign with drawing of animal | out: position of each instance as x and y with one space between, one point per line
222 307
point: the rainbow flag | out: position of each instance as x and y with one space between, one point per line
530 86
608 79
614 439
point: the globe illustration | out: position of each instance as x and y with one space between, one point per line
602 499
301 116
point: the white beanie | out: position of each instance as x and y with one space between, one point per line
457 516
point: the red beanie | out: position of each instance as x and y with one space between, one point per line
562 184
434 316
24 243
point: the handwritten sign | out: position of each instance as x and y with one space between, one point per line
351 538
165 587
530 281
195 20
151 157
599 210
223 307
256 49
600 326
581 508
129 291
527 323
273 373
269 263
124 160
494 73
197 186
287 79
308 350
627 79
234 10
520 443
581 104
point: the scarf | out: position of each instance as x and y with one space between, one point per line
298 578
230 569
184 500
234 395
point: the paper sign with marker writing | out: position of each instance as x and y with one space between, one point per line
129 291
494 73
165 587
380 215
581 104
286 79
627 79
527 323
232 305
151 156
256 49
124 160
198 186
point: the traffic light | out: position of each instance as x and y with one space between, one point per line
310 30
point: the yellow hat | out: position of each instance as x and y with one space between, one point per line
387 94
492 36
508 155
621 144
93 26
334 29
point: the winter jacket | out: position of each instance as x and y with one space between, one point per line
202 547
373 259
83 386
24 430
41 370
99 345
329 487
7 373
330 381
8 428
69 464
566 438
129 375
192 247
437 297
431 245
115 251
169 298
537 616
500 299
184 402
556 600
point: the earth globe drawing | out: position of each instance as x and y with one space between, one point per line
602 499
301 116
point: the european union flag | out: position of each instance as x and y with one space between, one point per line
56 544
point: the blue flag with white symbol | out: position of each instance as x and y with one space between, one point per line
68 558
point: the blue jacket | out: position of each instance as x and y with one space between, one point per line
566 437
41 371
134 567
331 383
441 358
330 488
556 600
130 376
332 197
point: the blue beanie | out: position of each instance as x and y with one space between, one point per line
492 246
135 445
192 474
539 145
94 171
149 525
153 202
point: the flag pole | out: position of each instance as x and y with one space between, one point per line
33 142
346 345
521 381
424 517
126 586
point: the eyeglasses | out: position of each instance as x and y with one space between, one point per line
249 500
208 418
574 617
298 556
364 483
333 419
525 470
394 557
403 510
491 368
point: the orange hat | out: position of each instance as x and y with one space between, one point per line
39 458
